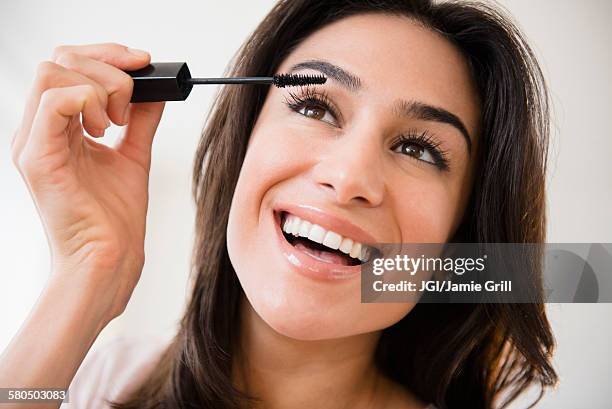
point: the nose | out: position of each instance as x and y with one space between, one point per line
351 169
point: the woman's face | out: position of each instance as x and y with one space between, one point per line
378 154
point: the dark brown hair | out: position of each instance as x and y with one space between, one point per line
453 355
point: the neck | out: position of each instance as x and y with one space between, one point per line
282 372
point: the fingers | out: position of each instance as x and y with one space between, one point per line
48 138
117 84
117 55
105 63
48 76
137 137
99 65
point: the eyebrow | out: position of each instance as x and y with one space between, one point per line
415 109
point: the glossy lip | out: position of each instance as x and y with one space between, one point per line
308 265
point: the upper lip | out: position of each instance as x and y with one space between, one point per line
328 221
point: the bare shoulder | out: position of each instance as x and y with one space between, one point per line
113 369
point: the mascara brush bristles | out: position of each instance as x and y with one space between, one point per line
291 80
279 80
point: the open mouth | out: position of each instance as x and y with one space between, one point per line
322 244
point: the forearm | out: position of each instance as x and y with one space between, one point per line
55 338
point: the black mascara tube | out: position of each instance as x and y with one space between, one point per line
171 81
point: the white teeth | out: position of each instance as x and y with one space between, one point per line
288 225
332 240
298 227
292 225
317 233
355 250
304 228
295 226
346 245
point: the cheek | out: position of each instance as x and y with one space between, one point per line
269 160
256 177
277 152
274 156
425 211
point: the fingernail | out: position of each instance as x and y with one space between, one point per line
138 53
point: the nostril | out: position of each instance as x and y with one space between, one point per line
344 196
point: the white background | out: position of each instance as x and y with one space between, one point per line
572 40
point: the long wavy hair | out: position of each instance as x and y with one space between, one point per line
455 356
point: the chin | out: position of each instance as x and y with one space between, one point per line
297 313
303 325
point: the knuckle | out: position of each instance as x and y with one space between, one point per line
97 91
86 94
125 84
45 71
114 46
58 51
89 92
103 97
102 94
48 97
68 59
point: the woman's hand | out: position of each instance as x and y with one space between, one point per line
92 199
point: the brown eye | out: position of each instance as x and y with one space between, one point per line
422 147
416 151
314 112
318 113
413 150
313 106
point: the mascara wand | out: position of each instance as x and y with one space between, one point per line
172 81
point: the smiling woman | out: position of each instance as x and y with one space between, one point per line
431 128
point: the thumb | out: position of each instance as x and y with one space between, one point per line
136 139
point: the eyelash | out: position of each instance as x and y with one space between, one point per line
311 97
424 140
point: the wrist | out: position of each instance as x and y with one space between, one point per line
84 294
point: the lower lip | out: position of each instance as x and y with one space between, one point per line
308 265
